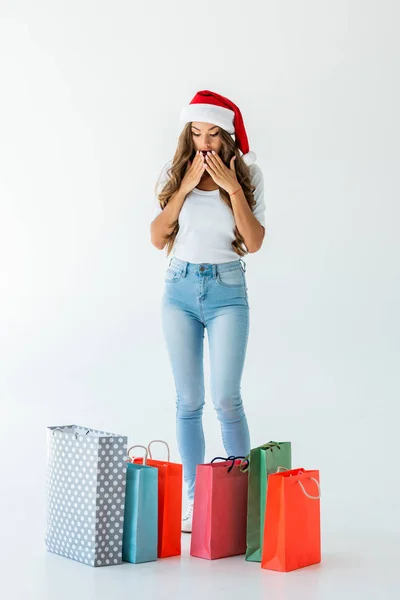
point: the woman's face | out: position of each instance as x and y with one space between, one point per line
206 137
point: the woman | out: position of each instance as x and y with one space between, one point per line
210 211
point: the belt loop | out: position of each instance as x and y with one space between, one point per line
214 268
243 265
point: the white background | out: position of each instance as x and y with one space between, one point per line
91 93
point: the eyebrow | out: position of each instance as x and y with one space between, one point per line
208 130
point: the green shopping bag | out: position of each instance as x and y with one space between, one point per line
263 461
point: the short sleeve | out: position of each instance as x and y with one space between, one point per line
162 180
257 181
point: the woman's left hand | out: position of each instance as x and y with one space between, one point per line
222 175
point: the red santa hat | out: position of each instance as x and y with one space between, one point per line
209 107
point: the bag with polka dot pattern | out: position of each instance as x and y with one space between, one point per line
86 479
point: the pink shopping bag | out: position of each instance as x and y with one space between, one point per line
220 510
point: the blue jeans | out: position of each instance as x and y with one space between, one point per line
212 297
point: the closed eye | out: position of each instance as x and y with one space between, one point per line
211 134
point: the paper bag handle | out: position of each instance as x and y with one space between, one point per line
62 429
160 442
230 458
139 446
269 446
308 495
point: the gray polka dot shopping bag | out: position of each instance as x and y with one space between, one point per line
86 479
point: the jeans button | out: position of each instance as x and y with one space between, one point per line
201 268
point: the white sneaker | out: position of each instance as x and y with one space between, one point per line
187 519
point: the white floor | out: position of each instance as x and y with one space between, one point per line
353 567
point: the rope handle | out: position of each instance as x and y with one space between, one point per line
138 446
269 446
75 433
230 458
159 442
308 495
244 465
279 469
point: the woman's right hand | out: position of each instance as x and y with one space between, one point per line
194 172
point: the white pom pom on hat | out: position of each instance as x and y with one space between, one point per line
209 107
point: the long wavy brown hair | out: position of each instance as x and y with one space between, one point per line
185 151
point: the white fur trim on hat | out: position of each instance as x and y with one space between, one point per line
249 158
209 113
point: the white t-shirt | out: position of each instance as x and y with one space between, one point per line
206 222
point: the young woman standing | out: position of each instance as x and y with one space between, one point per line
210 212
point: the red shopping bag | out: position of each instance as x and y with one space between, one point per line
292 534
220 510
169 503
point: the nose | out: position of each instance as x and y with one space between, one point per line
205 143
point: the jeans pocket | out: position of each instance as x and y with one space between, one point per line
232 278
172 275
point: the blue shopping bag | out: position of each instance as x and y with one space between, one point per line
140 536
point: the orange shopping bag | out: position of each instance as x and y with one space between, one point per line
292 535
169 503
